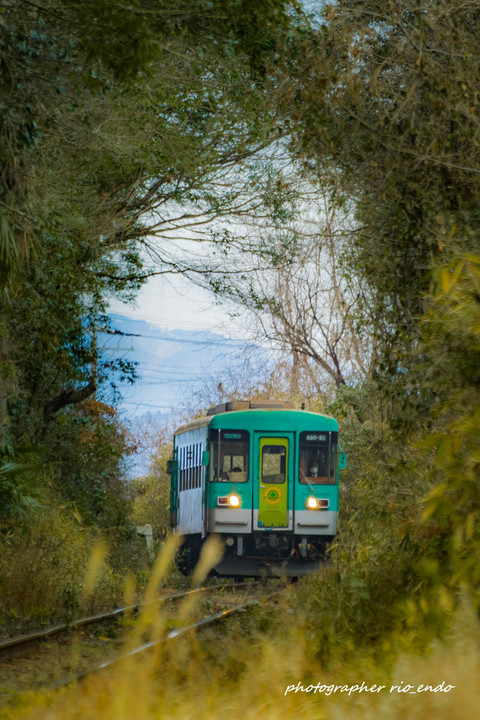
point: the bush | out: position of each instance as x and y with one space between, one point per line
43 567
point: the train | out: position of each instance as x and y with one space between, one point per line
264 477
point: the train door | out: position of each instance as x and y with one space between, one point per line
273 481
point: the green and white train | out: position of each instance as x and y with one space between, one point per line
263 476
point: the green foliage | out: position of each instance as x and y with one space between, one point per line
42 565
386 99
99 149
451 346
87 449
152 494
8 250
19 487
378 554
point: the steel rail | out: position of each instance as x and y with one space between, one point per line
11 643
172 635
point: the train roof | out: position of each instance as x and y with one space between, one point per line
258 413
256 404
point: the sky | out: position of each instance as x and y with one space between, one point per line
173 302
182 344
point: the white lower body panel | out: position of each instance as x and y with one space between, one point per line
226 520
315 522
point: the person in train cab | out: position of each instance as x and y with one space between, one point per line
231 475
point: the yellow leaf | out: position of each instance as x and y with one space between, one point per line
77 516
436 492
429 511
450 279
95 565
445 280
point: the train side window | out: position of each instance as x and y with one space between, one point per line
273 464
317 462
189 467
182 469
229 451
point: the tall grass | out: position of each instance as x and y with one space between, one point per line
240 670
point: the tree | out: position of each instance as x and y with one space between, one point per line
152 492
385 98
112 118
304 302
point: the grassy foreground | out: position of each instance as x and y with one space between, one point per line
257 664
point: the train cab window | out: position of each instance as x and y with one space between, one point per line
318 453
273 463
229 451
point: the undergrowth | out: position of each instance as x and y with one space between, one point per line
43 566
257 664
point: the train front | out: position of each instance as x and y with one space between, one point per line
272 490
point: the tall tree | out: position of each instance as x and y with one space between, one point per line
385 98
117 124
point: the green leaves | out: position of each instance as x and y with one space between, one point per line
20 488
394 120
9 251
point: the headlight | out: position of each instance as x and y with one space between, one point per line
313 503
234 501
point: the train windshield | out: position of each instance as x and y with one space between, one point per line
229 450
318 458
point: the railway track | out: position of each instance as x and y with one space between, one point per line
12 646
172 635
25 642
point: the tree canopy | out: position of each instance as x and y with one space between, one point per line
385 98
118 125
